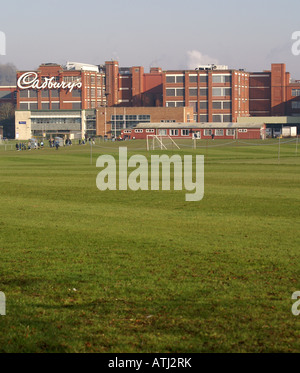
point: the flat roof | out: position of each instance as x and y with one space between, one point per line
198 125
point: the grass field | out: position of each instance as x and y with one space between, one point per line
146 271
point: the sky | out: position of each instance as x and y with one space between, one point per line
170 34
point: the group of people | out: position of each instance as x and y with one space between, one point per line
30 145
52 143
91 140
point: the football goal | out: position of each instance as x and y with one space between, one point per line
155 142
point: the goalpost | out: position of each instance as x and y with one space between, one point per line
160 142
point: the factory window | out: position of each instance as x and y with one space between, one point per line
295 104
217 118
227 105
180 91
217 105
162 132
170 79
221 92
193 78
203 78
45 106
173 132
54 93
24 93
193 91
180 79
55 105
203 105
77 93
208 132
144 117
203 118
221 105
227 118
170 104
219 132
203 91
217 92
45 93
218 78
170 92
174 78
33 106
185 132
295 92
23 106
33 93
230 132
76 106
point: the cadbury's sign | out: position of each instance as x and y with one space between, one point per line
30 81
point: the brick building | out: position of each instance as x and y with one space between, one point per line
88 91
57 101
8 94
132 86
112 120
86 100
216 95
273 93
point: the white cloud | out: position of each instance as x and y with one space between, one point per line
196 58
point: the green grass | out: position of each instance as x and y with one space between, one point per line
146 271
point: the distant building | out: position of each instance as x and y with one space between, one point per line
8 94
215 95
179 131
273 93
111 121
82 100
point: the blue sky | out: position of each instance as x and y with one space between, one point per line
170 34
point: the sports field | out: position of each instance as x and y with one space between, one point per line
146 271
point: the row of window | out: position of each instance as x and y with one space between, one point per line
217 78
203 105
33 93
216 92
46 106
295 104
55 120
131 117
186 132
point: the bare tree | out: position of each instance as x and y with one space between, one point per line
7 111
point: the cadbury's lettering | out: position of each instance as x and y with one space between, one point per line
30 80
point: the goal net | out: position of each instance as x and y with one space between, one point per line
155 142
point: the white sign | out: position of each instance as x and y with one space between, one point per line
30 80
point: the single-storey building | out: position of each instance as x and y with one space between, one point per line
196 130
